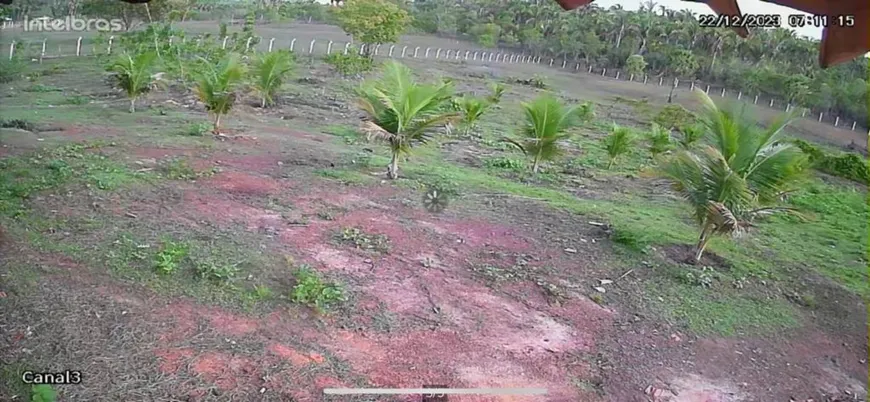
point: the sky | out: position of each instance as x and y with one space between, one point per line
746 7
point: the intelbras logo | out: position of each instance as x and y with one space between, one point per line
72 24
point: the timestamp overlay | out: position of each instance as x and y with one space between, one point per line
820 20
740 21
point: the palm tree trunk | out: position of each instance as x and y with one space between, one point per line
610 163
393 169
536 164
263 104
217 123
132 105
703 239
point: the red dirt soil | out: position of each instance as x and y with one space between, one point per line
482 337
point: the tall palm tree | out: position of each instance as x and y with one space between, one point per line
546 122
133 74
217 85
739 177
403 112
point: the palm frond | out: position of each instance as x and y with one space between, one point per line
270 70
401 111
516 144
618 142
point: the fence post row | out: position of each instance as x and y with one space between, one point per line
499 57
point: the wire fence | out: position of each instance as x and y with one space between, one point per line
37 51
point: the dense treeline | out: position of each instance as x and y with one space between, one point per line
774 61
653 40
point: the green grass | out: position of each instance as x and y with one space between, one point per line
779 249
345 176
10 379
24 176
714 312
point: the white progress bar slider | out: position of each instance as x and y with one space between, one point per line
434 391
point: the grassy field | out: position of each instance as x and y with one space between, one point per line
164 264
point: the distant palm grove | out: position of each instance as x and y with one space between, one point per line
771 61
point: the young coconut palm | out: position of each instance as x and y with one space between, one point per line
270 71
690 135
498 89
659 140
217 86
133 74
471 109
739 177
546 122
618 143
403 112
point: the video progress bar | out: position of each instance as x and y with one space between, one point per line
434 391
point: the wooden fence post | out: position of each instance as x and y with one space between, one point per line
272 42
311 46
293 44
416 49
328 48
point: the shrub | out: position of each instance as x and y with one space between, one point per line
675 117
845 164
10 70
350 64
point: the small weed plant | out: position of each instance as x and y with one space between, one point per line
170 257
313 291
